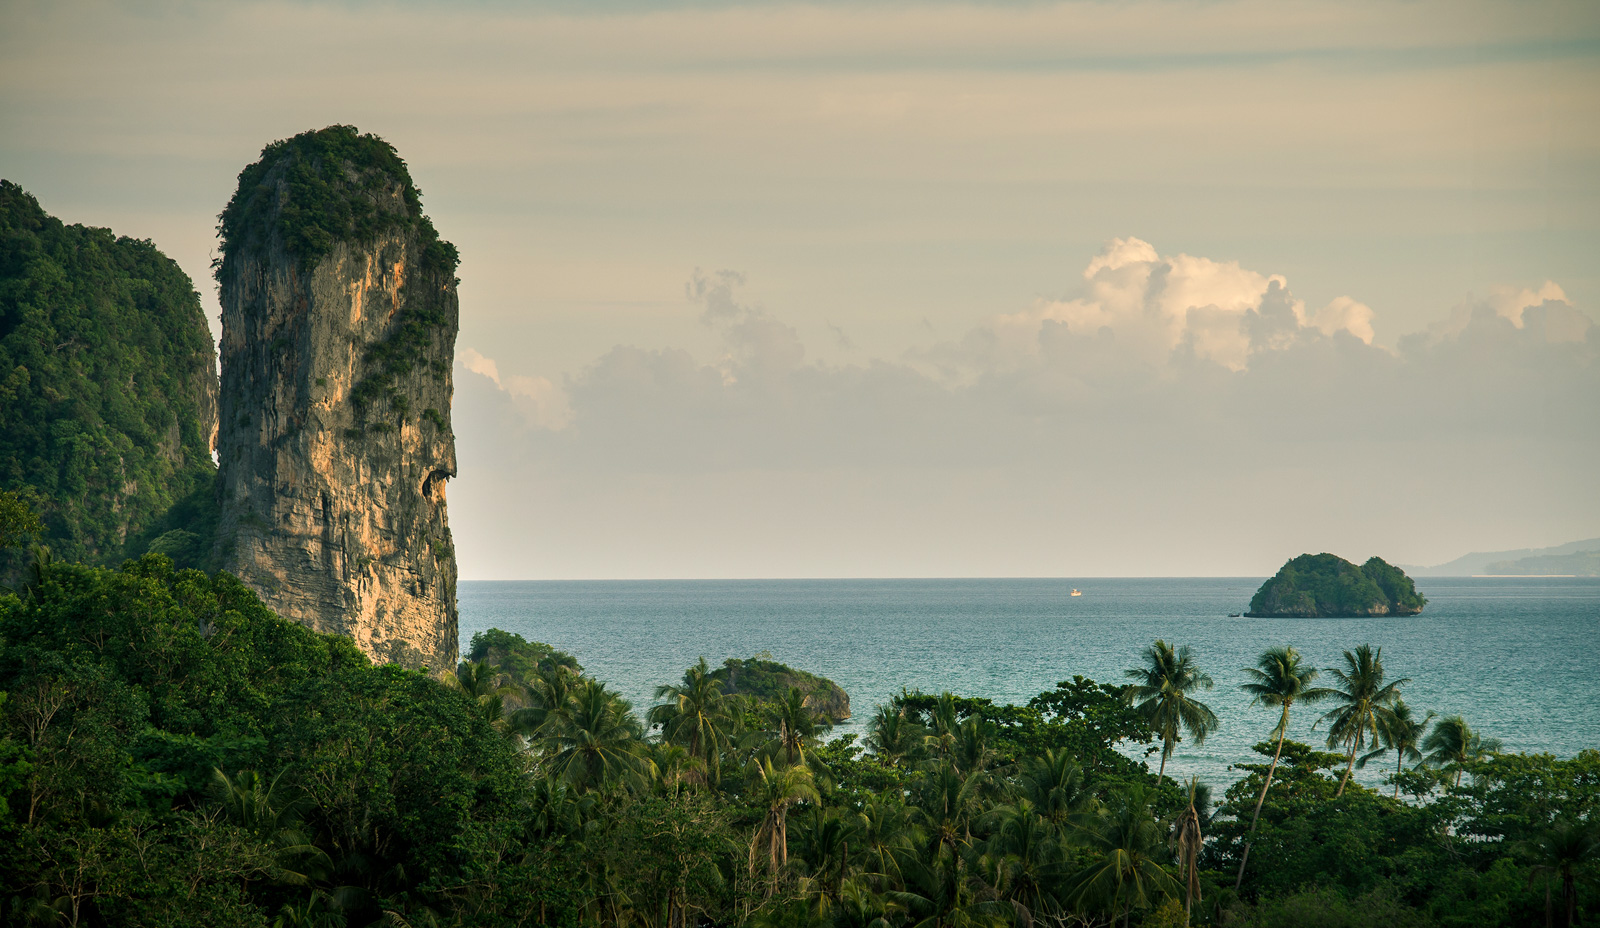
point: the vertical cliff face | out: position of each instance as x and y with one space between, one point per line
339 319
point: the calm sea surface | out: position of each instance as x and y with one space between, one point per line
1514 656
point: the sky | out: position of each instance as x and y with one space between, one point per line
944 289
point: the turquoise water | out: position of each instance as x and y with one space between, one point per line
1512 655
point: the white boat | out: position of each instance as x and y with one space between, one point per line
1076 592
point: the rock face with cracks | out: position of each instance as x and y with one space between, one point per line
339 318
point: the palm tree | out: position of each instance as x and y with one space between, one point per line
1022 859
252 801
554 809
1401 733
675 767
974 745
1452 745
698 716
1054 783
319 911
262 806
775 789
1563 850
547 692
1189 841
1125 844
935 894
887 832
795 726
1163 696
38 569
479 681
892 737
943 720
828 837
947 803
1365 703
1279 680
594 738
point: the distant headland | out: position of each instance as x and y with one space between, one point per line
1576 558
1326 586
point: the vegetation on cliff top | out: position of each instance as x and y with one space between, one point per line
321 188
1328 586
105 364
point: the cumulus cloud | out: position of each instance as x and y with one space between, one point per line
1156 304
1174 407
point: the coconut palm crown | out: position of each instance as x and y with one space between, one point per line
1162 695
1453 744
1402 733
697 716
1363 703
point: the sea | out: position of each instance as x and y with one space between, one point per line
1514 656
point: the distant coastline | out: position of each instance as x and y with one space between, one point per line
1573 559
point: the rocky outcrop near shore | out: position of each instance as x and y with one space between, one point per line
767 680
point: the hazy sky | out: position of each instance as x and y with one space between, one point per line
889 289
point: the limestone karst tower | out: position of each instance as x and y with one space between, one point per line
339 319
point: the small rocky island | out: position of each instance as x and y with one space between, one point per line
767 680
1326 586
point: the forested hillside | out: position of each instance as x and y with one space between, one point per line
173 754
108 391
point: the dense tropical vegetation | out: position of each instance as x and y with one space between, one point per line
763 678
107 392
1328 586
171 753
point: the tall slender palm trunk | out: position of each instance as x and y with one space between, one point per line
1283 730
1348 767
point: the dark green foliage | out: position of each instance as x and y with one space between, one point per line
1082 717
322 188
1328 586
764 680
18 521
521 660
1399 588
186 533
171 753
127 689
105 362
1464 858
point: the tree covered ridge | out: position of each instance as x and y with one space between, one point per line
172 753
1326 585
107 384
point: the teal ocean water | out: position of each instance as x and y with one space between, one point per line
1514 656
